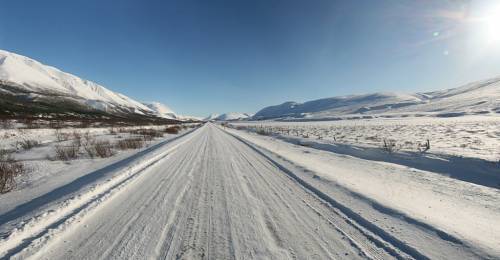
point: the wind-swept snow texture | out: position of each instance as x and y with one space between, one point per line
35 77
475 98
211 195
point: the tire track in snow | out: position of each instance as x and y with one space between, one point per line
214 198
37 231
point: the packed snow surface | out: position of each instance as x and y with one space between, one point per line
462 209
219 194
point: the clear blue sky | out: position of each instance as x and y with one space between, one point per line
201 56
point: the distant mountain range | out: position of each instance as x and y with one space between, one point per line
232 116
28 87
475 98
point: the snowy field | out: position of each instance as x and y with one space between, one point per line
472 136
452 197
51 157
233 194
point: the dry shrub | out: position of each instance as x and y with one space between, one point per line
28 144
88 138
113 131
262 132
66 153
61 136
77 138
172 129
103 149
130 143
389 146
6 124
31 123
88 142
9 169
56 124
148 134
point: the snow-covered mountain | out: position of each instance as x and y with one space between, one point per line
211 117
476 98
227 116
481 97
233 116
161 110
339 106
23 77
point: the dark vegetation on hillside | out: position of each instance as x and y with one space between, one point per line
55 109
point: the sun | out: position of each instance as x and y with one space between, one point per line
490 26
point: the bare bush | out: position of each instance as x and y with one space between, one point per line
88 138
66 153
77 137
425 147
113 131
6 124
61 136
148 134
56 124
389 145
31 123
27 144
172 129
130 143
262 131
104 149
88 142
90 150
9 169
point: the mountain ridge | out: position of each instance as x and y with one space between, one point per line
29 87
481 97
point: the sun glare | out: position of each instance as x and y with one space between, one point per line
490 26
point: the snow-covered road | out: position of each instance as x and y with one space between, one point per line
212 197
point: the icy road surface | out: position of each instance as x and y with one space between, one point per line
213 197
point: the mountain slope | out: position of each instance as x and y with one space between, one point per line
233 116
481 97
24 79
161 110
475 98
211 117
371 103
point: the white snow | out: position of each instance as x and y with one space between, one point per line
161 110
467 136
210 194
211 117
232 116
465 210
